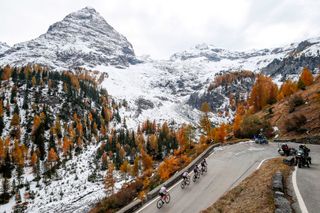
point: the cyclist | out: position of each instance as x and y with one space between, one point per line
163 191
204 163
185 175
196 169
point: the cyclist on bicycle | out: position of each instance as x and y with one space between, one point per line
163 191
196 169
185 175
203 165
204 162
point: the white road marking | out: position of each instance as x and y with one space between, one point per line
296 189
260 164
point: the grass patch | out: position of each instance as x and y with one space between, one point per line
254 194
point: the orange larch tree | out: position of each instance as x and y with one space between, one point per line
168 167
52 157
147 161
306 77
263 92
287 88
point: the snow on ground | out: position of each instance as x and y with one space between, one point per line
71 191
6 208
160 89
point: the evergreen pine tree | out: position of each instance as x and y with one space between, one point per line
7 167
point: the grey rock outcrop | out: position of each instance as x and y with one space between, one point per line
281 203
291 66
220 95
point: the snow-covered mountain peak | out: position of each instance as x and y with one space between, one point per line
82 38
87 17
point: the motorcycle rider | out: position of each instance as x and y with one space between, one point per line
285 149
306 151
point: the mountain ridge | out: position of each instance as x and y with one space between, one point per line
82 38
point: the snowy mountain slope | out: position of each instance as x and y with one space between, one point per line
172 89
3 47
82 38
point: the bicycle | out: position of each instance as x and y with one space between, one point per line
185 182
162 200
196 176
204 169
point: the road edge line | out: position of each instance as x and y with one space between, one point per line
260 164
302 205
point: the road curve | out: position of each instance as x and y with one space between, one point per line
308 181
227 167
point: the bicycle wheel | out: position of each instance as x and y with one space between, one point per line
183 184
159 204
167 198
188 181
194 178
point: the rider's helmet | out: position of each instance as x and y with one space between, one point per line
301 146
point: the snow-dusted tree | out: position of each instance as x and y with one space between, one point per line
52 157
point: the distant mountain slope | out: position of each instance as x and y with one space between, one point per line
175 88
3 47
82 38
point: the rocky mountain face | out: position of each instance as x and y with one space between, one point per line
305 54
82 38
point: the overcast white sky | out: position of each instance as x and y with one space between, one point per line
162 27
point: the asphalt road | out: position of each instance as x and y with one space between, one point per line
308 181
227 167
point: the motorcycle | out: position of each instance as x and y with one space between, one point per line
260 139
284 150
302 159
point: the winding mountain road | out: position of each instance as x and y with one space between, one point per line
227 167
